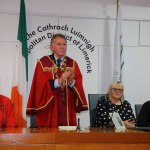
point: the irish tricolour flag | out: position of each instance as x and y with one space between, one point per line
20 74
118 47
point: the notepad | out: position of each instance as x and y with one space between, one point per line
67 128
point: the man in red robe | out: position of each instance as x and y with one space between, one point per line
7 118
56 93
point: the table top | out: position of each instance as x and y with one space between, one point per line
54 135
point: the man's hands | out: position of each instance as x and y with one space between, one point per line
68 76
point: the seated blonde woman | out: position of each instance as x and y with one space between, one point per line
114 102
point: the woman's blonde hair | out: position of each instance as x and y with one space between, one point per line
117 85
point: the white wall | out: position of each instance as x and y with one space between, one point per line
95 19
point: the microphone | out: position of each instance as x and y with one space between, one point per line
2 108
78 125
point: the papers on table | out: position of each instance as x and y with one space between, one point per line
67 128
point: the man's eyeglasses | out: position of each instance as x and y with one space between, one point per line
117 90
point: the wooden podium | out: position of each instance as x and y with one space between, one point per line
87 139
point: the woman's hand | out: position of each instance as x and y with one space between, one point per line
129 123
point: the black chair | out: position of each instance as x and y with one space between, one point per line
137 110
93 100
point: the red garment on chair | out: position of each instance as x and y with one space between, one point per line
6 110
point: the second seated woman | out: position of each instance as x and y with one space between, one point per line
114 101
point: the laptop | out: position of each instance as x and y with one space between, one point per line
139 128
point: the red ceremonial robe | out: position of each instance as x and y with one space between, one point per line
6 112
58 106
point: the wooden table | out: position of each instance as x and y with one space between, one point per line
88 139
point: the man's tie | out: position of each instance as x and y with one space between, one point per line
58 62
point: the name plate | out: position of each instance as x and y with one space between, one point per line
117 120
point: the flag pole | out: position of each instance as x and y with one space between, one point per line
117 7
118 46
